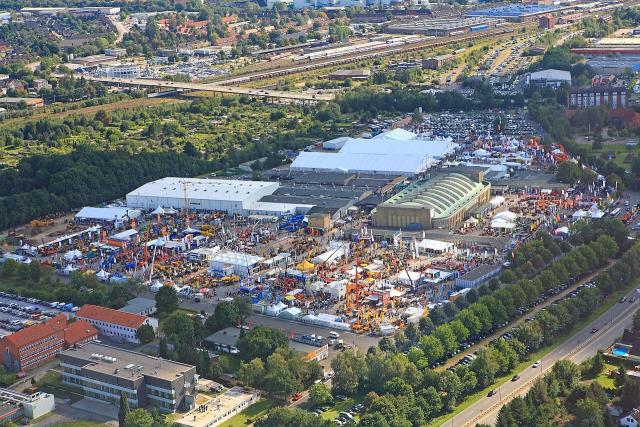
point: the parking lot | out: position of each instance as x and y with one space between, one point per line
18 312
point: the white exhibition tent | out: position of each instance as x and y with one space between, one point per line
438 246
102 275
592 212
72 255
496 201
506 216
275 309
107 214
68 270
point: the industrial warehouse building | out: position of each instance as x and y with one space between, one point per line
443 200
398 152
518 12
232 196
443 27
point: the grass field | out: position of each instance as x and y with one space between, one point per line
560 339
51 382
250 414
341 406
604 379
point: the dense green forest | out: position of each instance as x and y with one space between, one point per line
52 183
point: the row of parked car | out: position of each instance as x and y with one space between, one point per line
57 305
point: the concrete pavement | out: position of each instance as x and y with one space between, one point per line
578 348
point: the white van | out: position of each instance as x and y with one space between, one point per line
334 335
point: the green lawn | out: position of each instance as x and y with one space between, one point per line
604 379
471 399
51 382
229 363
253 412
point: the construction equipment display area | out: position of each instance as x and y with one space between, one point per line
337 249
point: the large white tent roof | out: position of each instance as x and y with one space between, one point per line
356 162
196 188
399 134
107 214
436 148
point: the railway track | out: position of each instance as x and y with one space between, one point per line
350 58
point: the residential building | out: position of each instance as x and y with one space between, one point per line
631 418
547 22
437 62
115 324
104 372
611 97
38 344
39 84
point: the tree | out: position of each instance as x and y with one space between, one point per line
291 417
180 328
319 394
588 414
138 418
225 315
432 348
446 336
261 342
349 367
568 172
279 380
123 409
567 374
166 301
243 308
485 367
251 373
145 334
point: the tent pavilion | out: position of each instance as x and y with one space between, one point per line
592 212
435 246
113 214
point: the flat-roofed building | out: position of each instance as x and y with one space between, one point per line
592 97
213 411
103 372
437 62
232 196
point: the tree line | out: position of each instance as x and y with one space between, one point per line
561 393
46 184
402 389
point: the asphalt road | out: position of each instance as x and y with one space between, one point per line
580 347
531 313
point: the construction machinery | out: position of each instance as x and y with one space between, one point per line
41 222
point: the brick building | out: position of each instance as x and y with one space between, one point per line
116 324
38 344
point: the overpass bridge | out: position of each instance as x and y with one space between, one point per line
214 88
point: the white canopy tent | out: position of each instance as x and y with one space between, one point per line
436 246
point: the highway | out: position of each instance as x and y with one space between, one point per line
578 348
210 87
531 313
